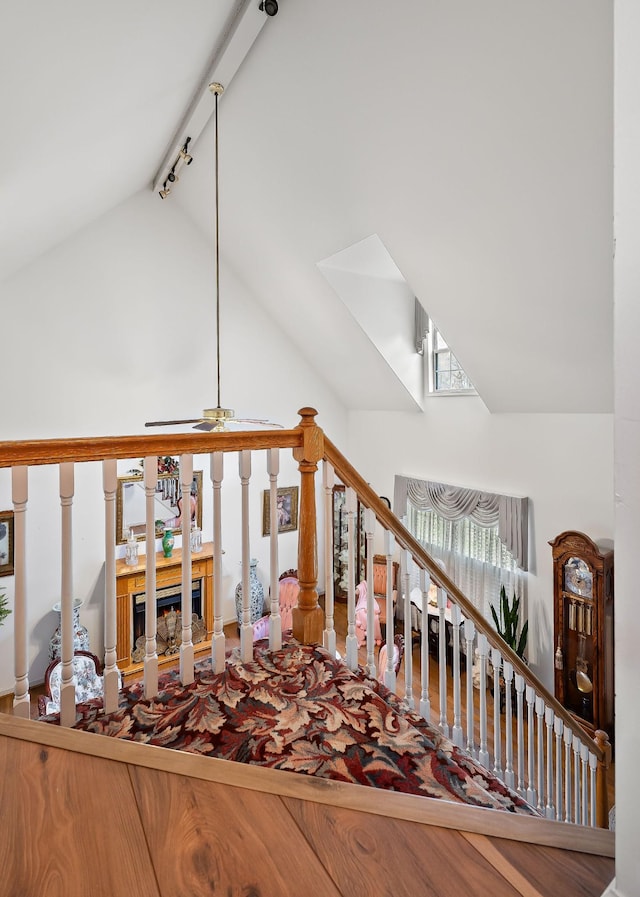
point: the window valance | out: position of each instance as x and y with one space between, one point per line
509 512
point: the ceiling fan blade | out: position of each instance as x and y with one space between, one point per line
266 423
171 423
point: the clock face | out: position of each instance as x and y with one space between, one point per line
578 578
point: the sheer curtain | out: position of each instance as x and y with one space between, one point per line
474 555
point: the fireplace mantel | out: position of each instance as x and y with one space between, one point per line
130 581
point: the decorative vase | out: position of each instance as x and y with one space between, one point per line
80 634
167 543
196 539
256 599
131 550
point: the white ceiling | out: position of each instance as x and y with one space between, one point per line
475 139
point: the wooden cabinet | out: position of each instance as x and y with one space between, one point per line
341 544
583 629
130 592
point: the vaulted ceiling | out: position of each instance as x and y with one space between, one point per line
474 138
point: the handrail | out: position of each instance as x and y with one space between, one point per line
350 477
57 451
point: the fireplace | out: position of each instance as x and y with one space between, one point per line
130 608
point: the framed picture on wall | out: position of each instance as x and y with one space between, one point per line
287 510
6 543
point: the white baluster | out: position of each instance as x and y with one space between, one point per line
150 662
540 751
548 721
483 648
246 629
509 776
329 635
425 701
519 680
456 732
408 644
389 673
532 797
568 736
275 620
584 760
577 809
558 728
442 661
469 636
593 765
110 675
187 654
369 527
496 663
351 507
218 640
67 684
19 487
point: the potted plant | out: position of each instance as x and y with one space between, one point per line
507 624
5 610
508 621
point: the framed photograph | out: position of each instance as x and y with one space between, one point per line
6 543
131 506
287 510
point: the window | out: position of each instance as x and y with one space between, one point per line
446 376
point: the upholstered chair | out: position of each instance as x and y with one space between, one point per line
288 589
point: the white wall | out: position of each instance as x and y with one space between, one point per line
114 327
563 463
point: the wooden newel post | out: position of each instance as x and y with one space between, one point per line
308 617
602 795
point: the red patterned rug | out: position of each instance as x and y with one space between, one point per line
302 710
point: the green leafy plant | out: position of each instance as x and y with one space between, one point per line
508 621
5 610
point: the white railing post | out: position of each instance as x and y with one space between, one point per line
456 732
593 766
442 660
483 752
568 737
408 645
150 605
20 494
187 654
275 619
540 751
509 777
577 806
548 722
584 762
389 673
329 634
558 728
519 680
369 527
110 676
246 629
218 639
531 796
351 505
496 663
425 701
469 636
67 684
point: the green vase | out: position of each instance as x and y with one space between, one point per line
167 543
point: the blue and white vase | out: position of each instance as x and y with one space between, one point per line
256 601
80 633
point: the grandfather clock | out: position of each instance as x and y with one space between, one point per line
583 629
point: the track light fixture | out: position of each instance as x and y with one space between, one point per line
269 6
165 190
184 154
184 158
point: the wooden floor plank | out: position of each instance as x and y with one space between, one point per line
68 826
206 838
371 856
547 870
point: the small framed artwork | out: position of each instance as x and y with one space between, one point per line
287 510
6 543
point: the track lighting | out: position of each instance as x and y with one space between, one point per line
184 158
184 155
165 191
269 6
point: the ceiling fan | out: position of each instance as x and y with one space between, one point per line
214 418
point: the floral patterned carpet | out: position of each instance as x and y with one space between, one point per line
302 710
